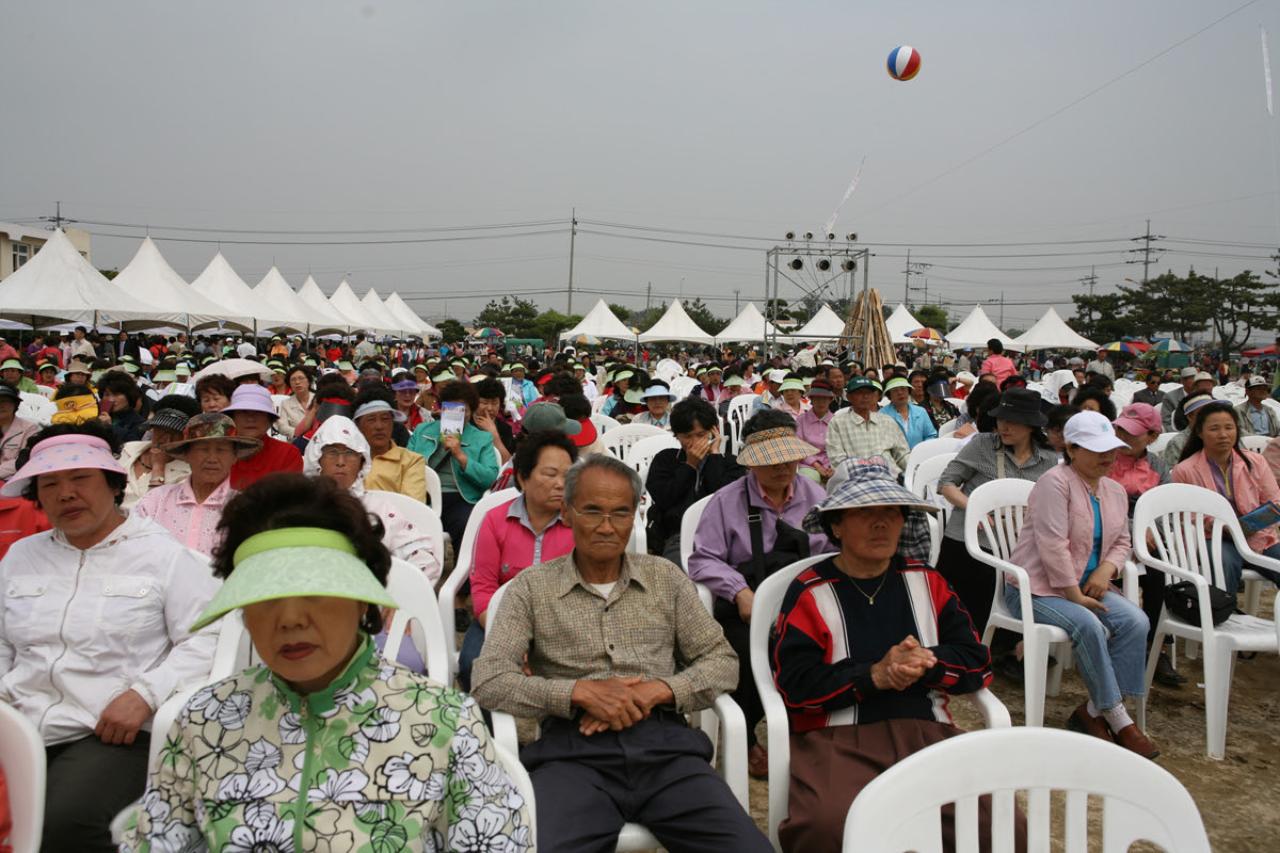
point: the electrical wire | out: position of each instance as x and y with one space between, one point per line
403 241
320 231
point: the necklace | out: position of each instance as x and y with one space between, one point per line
871 599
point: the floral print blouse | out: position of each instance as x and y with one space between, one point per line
384 760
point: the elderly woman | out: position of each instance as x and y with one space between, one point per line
1213 459
811 427
913 419
376 755
298 401
864 670
214 392
749 528
466 462
191 508
120 404
146 461
520 533
790 397
14 431
93 630
657 400
1074 539
1018 449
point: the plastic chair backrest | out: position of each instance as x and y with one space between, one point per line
435 494
682 386
1178 515
1256 443
597 404
739 412
689 527
421 516
899 809
668 370
925 449
22 758
643 451
925 481
1162 441
603 423
994 516
35 407
418 611
620 440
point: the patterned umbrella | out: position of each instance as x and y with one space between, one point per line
1122 346
926 334
1170 345
489 332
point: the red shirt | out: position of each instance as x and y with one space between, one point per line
275 456
19 518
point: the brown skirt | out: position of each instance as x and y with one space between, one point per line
830 767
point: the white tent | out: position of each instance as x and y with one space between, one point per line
274 290
1052 332
347 305
600 322
749 325
676 325
220 283
975 330
150 278
900 322
59 284
312 295
386 323
826 325
416 325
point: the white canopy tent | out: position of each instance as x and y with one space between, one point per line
825 325
58 284
150 278
276 291
220 282
600 322
386 323
348 305
311 294
749 325
1052 332
416 325
900 322
676 325
975 330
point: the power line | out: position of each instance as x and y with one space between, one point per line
415 240
322 231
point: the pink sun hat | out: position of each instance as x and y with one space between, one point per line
62 453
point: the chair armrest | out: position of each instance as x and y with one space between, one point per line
733 728
504 731
1017 573
779 731
1129 580
1261 560
994 714
448 602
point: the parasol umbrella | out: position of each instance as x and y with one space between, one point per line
233 368
489 332
1170 345
1122 346
926 334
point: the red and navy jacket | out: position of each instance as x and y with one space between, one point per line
828 635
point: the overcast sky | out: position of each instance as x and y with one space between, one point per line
743 118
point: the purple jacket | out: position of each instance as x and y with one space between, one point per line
723 540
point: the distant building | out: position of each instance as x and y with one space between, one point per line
19 244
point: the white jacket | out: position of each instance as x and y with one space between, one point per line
78 628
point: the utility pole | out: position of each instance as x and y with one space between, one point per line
57 218
912 269
736 291
1147 251
1002 310
573 233
1089 281
648 294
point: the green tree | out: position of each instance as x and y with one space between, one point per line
1169 303
932 316
701 314
109 274
451 330
777 309
550 324
1241 304
515 317
644 318
1103 317
622 312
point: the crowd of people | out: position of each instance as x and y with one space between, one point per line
180 481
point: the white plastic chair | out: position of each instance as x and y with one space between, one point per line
1162 441
464 553
764 613
643 451
733 752
947 429
422 517
35 407
419 612
899 809
924 484
738 413
604 423
597 404
620 440
435 494
22 757
926 449
1256 443
1178 515
688 528
682 386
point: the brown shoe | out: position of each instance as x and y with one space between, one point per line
758 762
1132 739
1081 721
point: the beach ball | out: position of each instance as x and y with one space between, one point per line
904 62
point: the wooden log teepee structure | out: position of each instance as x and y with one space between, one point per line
865 332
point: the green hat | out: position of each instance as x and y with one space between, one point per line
858 383
734 382
12 364
183 369
896 382
294 561
634 395
345 366
792 384
548 417
166 376
446 376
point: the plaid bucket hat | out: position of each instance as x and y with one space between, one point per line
210 426
774 446
859 483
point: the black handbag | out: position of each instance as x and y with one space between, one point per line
1183 602
789 545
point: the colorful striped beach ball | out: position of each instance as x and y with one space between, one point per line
904 62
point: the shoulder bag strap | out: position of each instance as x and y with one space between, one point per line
756 525
1000 454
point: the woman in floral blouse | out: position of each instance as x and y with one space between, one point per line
324 746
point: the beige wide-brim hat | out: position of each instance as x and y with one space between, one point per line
773 447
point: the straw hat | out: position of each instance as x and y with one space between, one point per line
773 447
212 426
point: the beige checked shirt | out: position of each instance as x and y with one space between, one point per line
652 625
851 435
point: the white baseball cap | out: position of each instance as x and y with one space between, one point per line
1092 431
776 375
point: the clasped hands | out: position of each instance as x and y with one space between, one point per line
903 665
617 703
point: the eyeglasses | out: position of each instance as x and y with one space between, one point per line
595 517
336 453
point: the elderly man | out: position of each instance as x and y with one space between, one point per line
1151 393
1101 366
1255 418
1170 416
393 469
590 641
862 430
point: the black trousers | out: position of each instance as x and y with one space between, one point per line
738 633
454 515
973 581
655 773
89 782
1152 586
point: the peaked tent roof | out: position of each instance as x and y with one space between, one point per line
312 295
372 303
348 305
825 325
397 307
150 278
222 284
975 330
749 325
601 322
676 325
900 322
59 284
1052 332
276 291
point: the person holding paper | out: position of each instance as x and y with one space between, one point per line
459 452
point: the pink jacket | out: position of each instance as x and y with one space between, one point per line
1001 365
1057 534
504 548
1252 488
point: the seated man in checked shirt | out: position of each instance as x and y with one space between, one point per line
619 648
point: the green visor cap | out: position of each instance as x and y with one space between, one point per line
294 561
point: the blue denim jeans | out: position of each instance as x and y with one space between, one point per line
472 642
1233 565
1112 666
